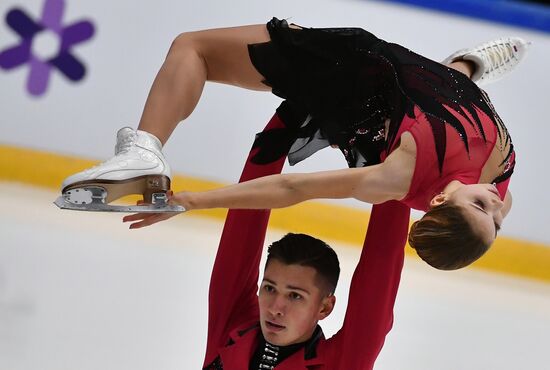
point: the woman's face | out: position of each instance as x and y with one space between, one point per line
481 205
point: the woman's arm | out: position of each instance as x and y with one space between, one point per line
389 180
373 184
279 191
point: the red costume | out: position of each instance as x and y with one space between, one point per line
233 330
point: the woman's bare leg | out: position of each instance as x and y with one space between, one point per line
219 55
463 66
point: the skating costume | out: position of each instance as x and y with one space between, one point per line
234 336
341 84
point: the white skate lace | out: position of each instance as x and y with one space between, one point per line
499 54
122 146
125 143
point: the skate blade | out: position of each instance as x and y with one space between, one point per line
102 207
111 190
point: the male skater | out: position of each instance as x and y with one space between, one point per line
278 327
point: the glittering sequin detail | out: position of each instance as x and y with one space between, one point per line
437 90
503 139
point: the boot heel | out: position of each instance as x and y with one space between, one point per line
155 184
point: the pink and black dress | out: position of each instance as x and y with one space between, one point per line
341 84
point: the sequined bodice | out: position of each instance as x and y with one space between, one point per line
465 166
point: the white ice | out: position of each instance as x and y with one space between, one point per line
81 291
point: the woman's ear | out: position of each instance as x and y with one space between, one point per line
438 200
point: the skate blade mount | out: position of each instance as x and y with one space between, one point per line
92 199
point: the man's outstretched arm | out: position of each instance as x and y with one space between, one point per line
369 315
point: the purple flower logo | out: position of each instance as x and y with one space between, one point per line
45 44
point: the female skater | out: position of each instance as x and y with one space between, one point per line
411 129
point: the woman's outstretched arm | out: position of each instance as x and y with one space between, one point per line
279 191
374 184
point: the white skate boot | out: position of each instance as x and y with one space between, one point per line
138 167
493 59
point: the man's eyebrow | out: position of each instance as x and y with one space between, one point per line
297 288
291 287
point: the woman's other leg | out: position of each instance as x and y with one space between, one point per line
464 66
218 55
491 60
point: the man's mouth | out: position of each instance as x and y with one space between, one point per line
272 326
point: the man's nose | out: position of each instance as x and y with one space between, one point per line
278 306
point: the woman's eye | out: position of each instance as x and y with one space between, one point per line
295 296
480 203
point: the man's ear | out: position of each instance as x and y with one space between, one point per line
327 305
438 200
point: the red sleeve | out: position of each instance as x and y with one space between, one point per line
369 315
234 282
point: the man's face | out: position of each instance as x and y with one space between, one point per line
291 303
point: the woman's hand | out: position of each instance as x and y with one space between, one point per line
147 219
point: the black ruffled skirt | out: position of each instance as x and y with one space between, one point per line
340 85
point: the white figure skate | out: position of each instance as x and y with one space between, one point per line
493 59
138 167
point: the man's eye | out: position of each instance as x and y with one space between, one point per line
269 288
295 296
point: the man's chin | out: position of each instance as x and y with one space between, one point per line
277 339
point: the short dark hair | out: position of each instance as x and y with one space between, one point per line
445 239
305 250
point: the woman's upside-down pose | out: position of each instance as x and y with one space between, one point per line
411 129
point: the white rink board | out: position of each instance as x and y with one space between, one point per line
80 291
131 42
